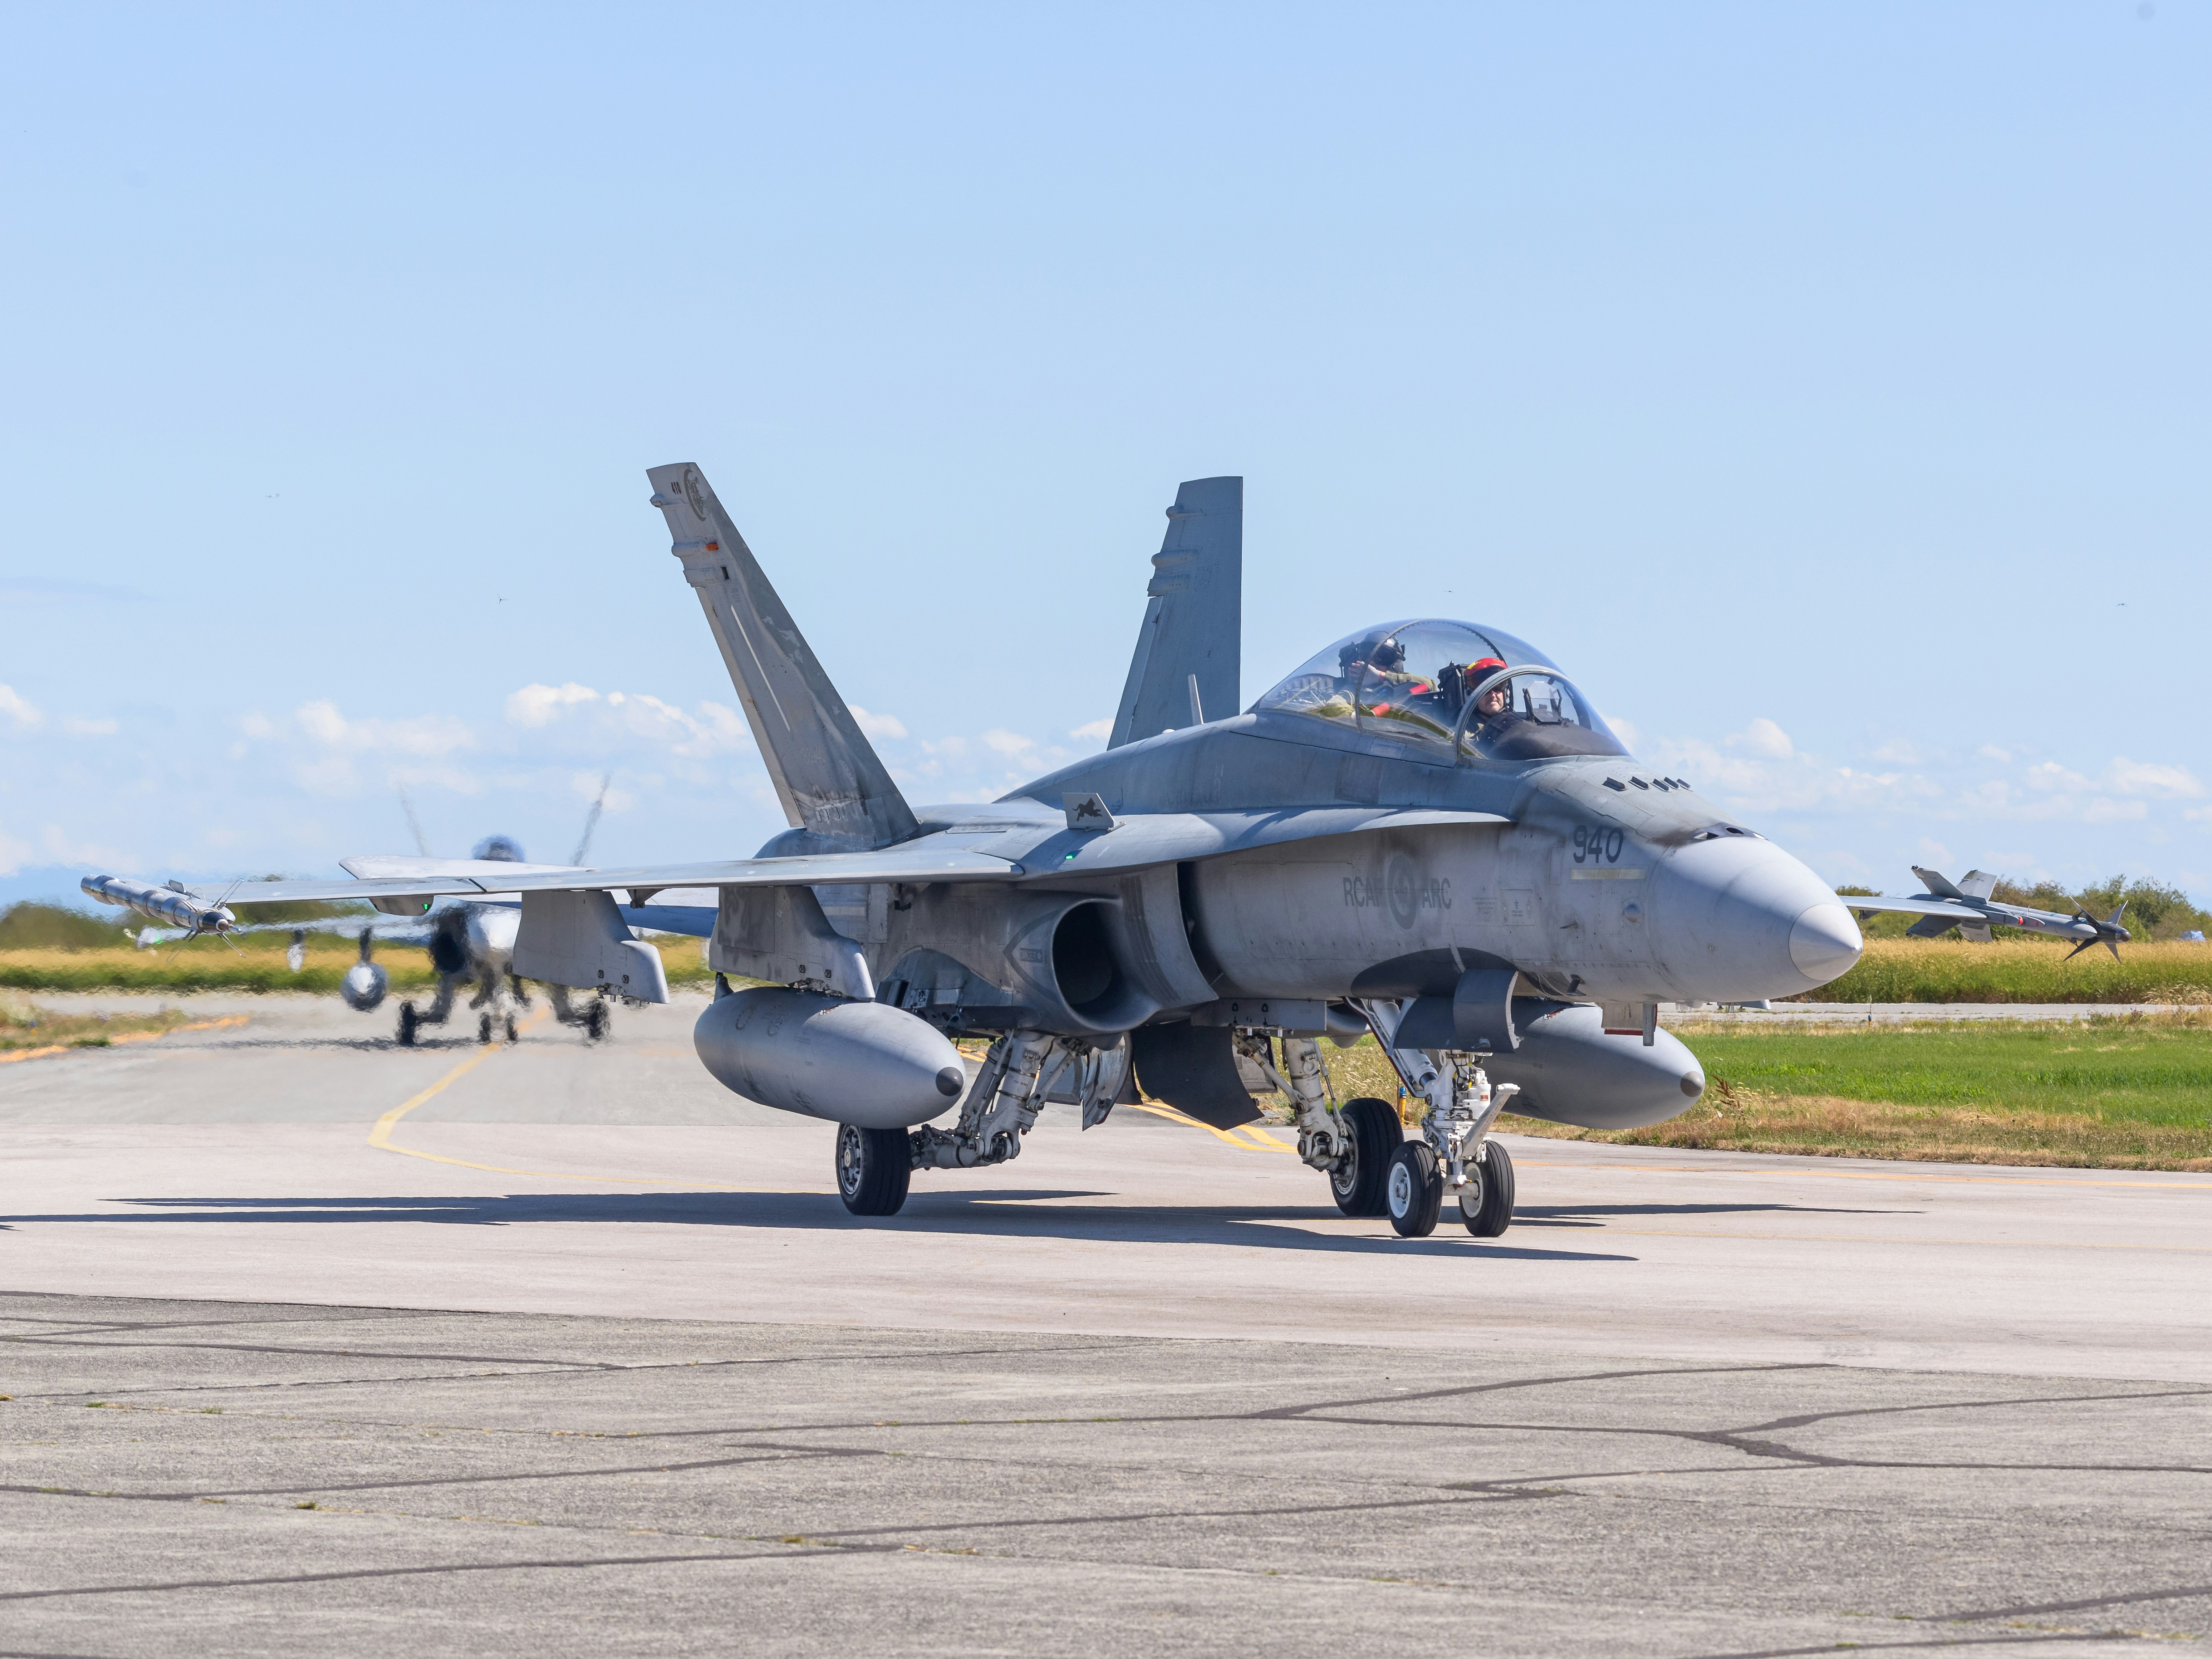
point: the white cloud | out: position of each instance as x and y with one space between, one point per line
426 735
1991 752
18 713
1096 730
62 849
1764 737
1009 743
13 854
536 705
1935 852
711 730
1629 735
2162 783
877 725
257 725
2106 811
714 730
83 728
2050 775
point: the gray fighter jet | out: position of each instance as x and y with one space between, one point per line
1425 832
470 942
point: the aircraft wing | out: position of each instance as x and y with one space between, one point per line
916 862
1019 847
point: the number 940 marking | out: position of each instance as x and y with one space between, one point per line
1597 845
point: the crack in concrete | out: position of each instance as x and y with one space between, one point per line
788 1552
2186 1592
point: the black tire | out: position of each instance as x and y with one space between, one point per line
513 1035
1493 1213
483 1027
873 1166
407 1026
1413 1189
595 1021
1357 1184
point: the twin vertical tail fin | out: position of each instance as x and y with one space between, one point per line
832 783
1186 667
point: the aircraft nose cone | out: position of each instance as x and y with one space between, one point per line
1739 919
1825 942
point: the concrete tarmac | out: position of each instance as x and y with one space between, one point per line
562 1349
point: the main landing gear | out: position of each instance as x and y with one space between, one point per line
1021 1070
873 1167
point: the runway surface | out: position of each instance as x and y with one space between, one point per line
570 1351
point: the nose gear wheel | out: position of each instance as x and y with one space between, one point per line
1485 1203
1413 1189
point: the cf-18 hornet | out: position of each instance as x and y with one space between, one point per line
1425 832
470 942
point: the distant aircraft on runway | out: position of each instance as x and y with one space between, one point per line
1424 831
470 942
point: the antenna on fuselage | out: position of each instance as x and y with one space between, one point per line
407 805
592 820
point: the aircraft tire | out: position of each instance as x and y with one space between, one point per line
483 1027
1375 1131
513 1035
873 1167
1494 1214
595 1023
1413 1191
407 1026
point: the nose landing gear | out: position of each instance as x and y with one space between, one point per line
1454 1153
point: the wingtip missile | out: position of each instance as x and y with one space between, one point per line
170 906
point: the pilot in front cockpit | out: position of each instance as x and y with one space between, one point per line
1493 704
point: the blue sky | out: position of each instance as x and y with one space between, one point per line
1824 387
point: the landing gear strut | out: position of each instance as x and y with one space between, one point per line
1455 1153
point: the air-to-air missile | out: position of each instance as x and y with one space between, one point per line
171 906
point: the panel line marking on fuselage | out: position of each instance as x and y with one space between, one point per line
379 1137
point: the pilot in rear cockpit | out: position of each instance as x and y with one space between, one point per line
1367 668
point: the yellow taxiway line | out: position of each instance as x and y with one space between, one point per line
120 1038
1246 1137
379 1137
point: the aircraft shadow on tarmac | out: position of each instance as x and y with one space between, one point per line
1002 1213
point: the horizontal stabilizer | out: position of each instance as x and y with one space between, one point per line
1939 885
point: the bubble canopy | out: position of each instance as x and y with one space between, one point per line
1452 684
